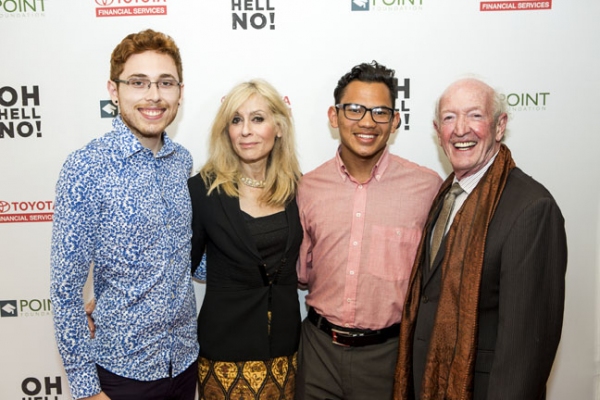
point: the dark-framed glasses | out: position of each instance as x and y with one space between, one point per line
356 112
143 84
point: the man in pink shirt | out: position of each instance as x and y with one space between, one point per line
363 213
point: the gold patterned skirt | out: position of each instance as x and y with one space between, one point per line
274 379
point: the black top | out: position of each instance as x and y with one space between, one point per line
270 236
243 282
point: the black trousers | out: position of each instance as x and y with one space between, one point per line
327 371
180 387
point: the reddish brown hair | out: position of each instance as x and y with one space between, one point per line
140 42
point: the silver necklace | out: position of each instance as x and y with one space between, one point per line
252 182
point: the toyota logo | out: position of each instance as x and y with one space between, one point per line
4 207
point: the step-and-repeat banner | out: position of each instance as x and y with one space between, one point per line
54 61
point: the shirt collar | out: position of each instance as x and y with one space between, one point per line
377 171
470 182
130 145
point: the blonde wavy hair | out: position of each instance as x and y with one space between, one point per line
221 171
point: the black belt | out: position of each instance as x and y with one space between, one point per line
352 337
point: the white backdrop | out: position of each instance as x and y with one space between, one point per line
543 55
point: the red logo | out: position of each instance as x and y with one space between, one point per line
130 8
26 211
4 206
522 5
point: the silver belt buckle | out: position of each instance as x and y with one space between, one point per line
334 336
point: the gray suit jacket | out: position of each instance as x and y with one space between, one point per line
522 296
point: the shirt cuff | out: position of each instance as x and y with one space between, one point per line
83 381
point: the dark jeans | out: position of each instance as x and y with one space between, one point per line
180 387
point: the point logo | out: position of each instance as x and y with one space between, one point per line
130 8
360 5
8 308
26 211
25 308
386 5
24 8
108 109
526 101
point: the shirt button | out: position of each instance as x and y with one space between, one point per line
349 300
425 299
351 272
355 243
357 215
360 186
347 325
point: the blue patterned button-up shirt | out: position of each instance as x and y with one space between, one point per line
127 213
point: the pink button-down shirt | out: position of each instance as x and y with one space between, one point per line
360 240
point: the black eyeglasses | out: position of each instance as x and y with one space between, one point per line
356 112
167 84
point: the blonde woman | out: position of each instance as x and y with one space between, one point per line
246 220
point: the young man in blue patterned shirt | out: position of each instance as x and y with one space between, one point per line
122 206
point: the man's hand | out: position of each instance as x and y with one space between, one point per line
89 308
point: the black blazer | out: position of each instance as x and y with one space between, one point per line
522 296
233 324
